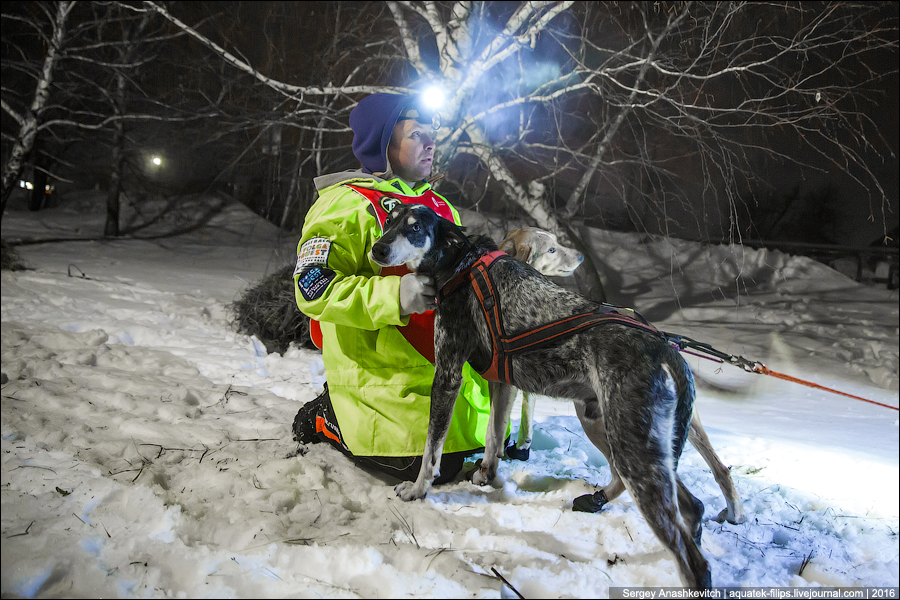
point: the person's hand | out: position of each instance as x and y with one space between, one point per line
416 294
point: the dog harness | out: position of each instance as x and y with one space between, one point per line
505 347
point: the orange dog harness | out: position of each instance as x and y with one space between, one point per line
505 347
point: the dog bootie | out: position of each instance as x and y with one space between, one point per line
513 452
305 421
590 502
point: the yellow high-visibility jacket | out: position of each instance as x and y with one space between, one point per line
380 386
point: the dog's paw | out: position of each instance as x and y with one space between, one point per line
408 491
486 472
591 503
515 453
724 515
479 478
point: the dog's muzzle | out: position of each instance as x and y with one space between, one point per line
380 253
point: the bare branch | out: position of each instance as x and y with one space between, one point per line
644 65
293 91
406 36
505 44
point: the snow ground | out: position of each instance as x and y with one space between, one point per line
147 447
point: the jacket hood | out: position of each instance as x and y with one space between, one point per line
368 180
323 182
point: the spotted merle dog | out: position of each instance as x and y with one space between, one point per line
542 250
633 392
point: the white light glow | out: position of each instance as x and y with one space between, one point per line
433 97
156 160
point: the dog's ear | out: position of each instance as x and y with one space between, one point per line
459 236
523 252
514 245
453 234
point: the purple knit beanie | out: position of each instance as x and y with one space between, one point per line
372 122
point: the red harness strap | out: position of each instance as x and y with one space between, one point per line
420 330
503 347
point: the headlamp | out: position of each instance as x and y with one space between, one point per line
424 107
423 115
433 97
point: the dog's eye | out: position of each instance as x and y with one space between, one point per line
551 250
387 221
416 227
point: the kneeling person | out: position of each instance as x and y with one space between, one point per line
374 325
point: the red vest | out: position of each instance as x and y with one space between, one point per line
420 330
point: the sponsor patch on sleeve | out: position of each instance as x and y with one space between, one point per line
313 282
313 251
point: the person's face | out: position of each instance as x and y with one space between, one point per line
411 150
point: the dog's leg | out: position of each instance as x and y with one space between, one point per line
522 449
442 403
666 505
449 356
588 412
691 510
502 397
642 423
659 505
734 509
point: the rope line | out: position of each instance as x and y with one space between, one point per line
764 370
681 344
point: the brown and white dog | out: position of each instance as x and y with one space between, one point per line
542 250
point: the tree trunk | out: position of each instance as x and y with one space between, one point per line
39 183
127 51
28 123
111 229
587 277
293 195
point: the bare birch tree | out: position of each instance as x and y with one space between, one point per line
49 23
71 78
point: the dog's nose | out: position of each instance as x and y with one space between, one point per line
379 252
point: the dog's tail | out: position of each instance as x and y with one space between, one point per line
686 392
646 430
